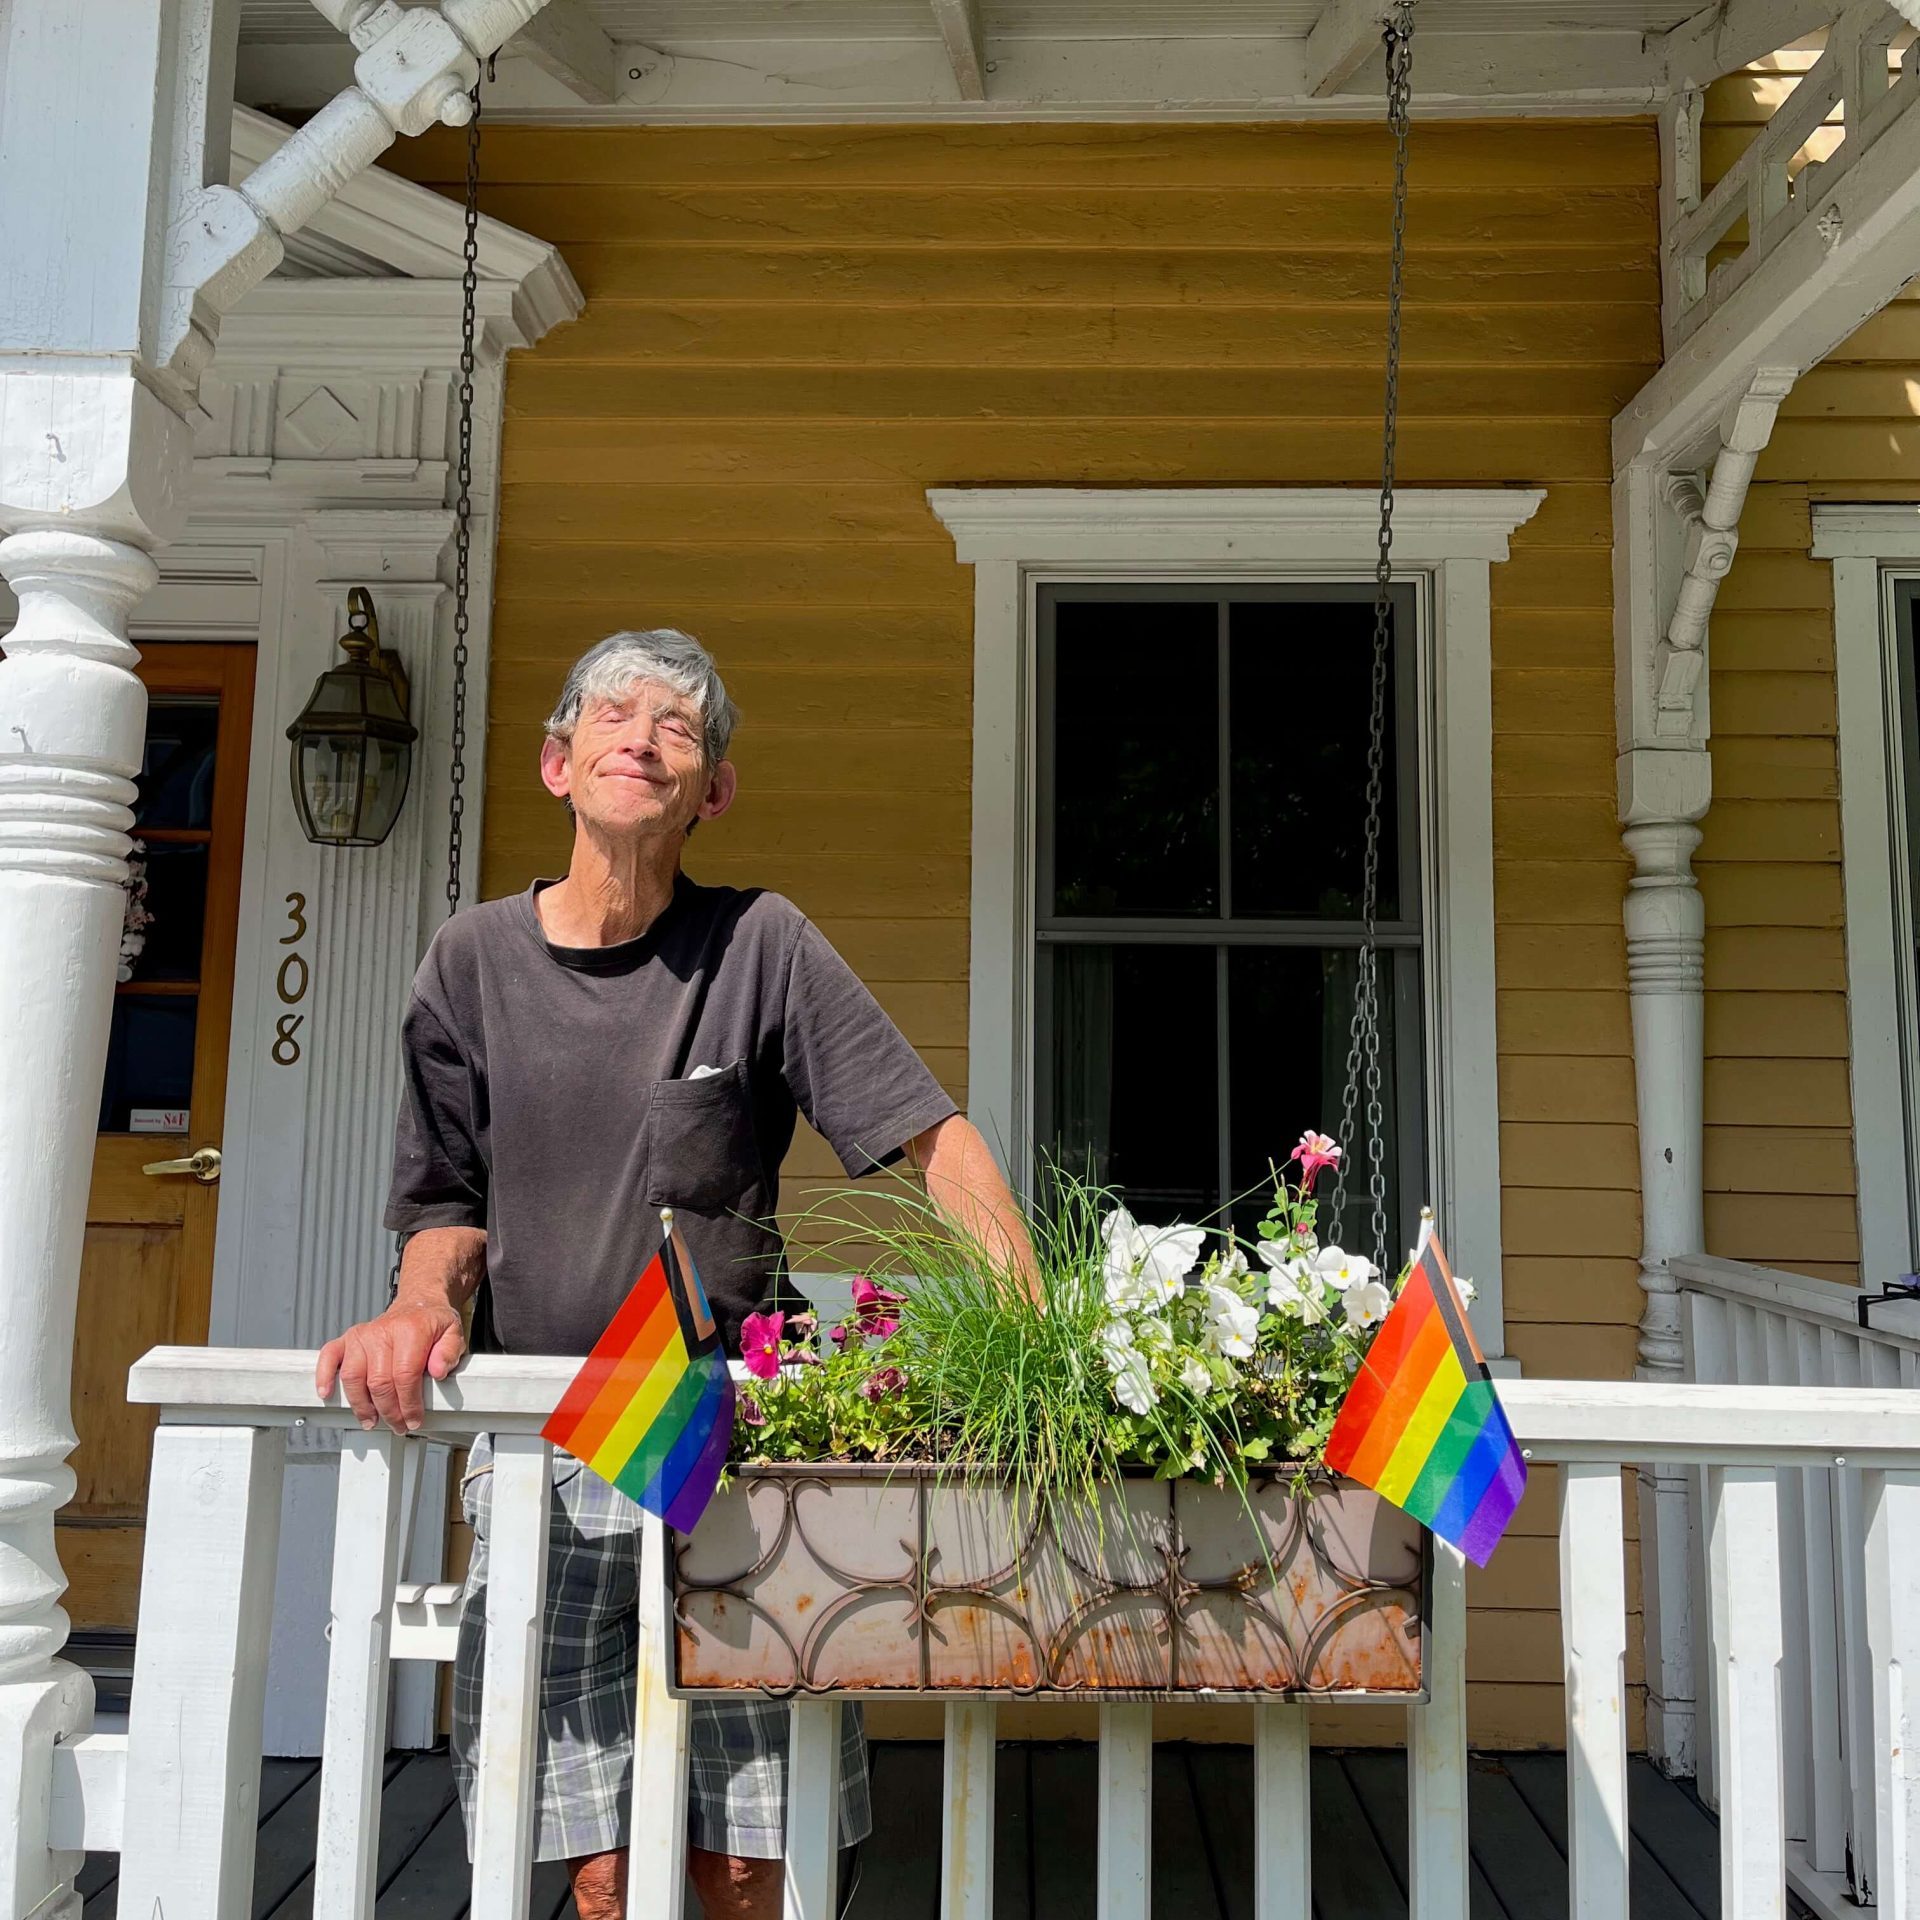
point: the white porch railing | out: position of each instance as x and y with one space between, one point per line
176 1793
1754 1327
1843 103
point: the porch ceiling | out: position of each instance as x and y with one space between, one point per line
717 60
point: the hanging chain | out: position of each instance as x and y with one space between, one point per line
463 507
1363 1040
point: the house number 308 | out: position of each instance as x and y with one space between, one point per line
291 983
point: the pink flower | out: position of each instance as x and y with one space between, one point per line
882 1382
847 1334
750 1411
1316 1150
870 1304
802 1326
760 1343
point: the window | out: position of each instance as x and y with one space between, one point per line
1875 552
1201 753
1066 577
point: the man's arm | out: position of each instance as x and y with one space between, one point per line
964 1183
381 1364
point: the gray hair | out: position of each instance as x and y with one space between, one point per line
676 659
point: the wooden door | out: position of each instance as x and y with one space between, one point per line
146 1273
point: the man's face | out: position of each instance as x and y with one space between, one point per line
636 764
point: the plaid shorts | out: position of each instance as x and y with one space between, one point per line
583 1776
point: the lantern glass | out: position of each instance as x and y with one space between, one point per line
353 747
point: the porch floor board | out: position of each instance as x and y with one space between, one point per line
1202 1839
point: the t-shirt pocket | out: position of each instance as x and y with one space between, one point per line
702 1151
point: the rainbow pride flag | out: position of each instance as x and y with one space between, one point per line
1422 1424
652 1408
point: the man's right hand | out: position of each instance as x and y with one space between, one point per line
382 1363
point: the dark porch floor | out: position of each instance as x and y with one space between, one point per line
1202 1839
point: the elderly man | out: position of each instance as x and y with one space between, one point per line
576 1056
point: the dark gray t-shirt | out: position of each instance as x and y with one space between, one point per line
552 1098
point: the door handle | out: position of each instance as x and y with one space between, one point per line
203 1164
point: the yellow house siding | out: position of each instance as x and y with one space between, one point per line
790 334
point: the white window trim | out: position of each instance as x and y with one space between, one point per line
1018 539
1871 548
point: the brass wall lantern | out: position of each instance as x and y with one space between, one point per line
353 742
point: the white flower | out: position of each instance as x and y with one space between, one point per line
1147 1266
1133 1381
1194 1375
1341 1270
1366 1302
1233 1265
1151 1334
1231 1323
1276 1254
1467 1290
1294 1289
1116 1342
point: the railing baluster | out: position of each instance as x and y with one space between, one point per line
813 1811
1437 1753
1282 1815
1796 1716
1826 1841
369 1514
1893 1627
657 1857
1593 1619
1856 1675
1709 1361
1125 1878
510 1698
966 1839
1743 1528
199 1685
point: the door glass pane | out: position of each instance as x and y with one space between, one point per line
176 774
1134 1091
149 1057
1289 1010
176 907
1301 686
1134 758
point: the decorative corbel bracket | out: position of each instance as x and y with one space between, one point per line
416 66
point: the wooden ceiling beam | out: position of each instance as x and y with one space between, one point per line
959 24
565 43
1344 38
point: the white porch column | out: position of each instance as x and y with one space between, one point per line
1674 542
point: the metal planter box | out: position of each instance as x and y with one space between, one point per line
889 1581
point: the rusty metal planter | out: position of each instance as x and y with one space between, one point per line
888 1580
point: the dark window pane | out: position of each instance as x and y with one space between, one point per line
149 1057
1135 758
1301 674
176 904
1134 1102
176 778
1288 1009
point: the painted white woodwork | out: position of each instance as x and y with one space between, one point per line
112 112
961 34
1446 541
813 1807
1892 1502
1743 1435
1750 1325
1824 253
1873 549
1674 542
1509 61
1593 1626
370 1518
1344 39
966 1838
510 1693
1743 1548
1282 1815
657 1858
193 1721
89 1793
566 43
1124 1873
1437 1866
1731 34
426 1620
